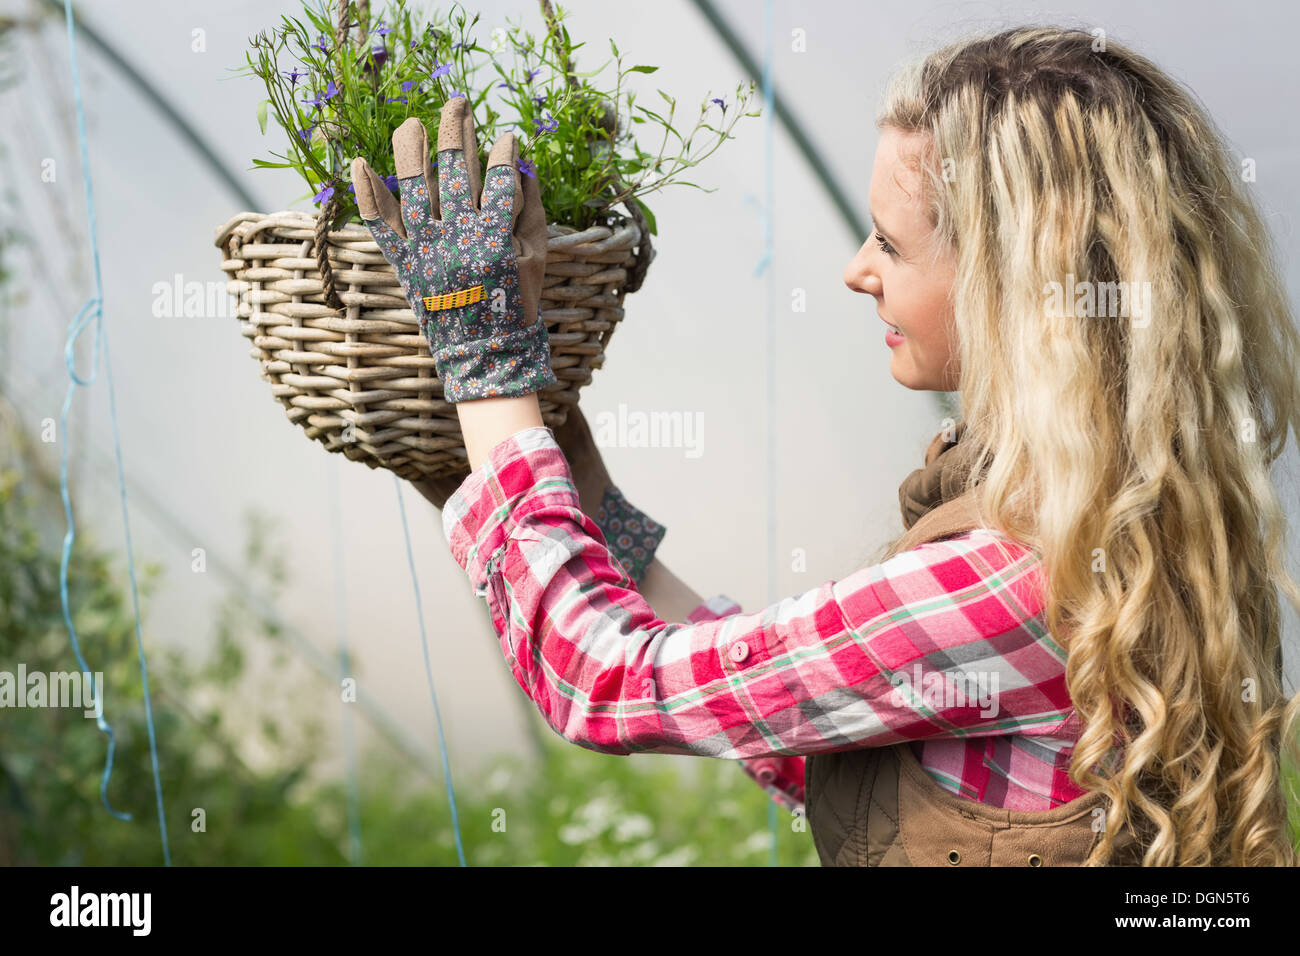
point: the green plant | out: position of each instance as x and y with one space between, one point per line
341 100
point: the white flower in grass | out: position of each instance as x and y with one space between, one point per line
637 826
499 780
758 842
682 856
574 833
641 854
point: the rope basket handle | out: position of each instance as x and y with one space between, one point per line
644 253
331 207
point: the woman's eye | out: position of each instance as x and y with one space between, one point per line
885 247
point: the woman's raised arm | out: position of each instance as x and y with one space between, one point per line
847 664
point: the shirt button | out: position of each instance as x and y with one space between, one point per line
739 651
766 774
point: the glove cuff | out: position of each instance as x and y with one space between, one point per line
631 535
500 366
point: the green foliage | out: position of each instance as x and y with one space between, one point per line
573 807
336 102
1291 778
586 809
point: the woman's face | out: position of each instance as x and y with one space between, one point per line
907 270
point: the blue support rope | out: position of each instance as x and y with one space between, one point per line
94 309
765 265
345 667
428 673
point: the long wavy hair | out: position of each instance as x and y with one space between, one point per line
1132 452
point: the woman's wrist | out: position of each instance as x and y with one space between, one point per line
670 597
486 422
631 535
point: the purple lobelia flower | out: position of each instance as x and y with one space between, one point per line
320 99
549 125
527 168
294 76
381 30
389 181
440 69
324 195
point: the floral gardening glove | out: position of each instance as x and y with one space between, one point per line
632 535
472 274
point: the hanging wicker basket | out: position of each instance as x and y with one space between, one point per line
360 379
343 351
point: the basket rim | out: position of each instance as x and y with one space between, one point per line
247 221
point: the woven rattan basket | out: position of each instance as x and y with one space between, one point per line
361 379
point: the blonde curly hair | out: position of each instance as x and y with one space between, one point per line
1131 453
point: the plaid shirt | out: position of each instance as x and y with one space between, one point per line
942 646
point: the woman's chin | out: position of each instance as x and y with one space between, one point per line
903 371
907 375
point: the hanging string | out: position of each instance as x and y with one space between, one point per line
428 673
93 310
345 666
765 265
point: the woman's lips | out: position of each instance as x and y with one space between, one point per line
893 337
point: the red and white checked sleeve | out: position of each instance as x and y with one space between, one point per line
781 777
945 640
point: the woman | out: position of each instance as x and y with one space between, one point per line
1061 237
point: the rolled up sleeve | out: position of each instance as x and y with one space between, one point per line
846 664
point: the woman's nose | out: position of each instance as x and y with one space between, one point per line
859 274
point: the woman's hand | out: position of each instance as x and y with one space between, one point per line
472 273
470 262
471 270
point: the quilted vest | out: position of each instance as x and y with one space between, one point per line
877 806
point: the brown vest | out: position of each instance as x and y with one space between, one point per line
877 806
